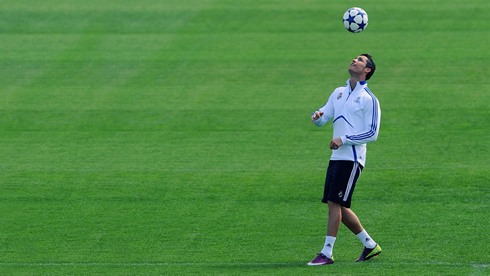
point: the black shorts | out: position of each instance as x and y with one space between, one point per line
340 181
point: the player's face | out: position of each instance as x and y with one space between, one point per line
358 65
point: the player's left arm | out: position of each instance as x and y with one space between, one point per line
372 119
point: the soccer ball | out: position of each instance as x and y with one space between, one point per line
355 20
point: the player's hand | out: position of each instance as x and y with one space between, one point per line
316 116
336 143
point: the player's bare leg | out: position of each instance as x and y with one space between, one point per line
350 219
334 218
371 249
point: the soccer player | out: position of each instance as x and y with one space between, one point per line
356 116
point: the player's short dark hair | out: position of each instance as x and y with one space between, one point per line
370 64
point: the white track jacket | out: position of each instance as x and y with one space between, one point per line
356 116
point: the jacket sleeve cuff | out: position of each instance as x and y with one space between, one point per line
344 140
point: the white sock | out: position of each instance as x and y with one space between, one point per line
328 247
366 239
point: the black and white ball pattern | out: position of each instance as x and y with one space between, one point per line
355 20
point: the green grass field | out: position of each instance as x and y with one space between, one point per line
173 137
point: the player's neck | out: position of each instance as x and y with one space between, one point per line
354 80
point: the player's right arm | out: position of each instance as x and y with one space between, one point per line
322 115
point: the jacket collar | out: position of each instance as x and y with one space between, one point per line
360 84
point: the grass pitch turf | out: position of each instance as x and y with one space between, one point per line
173 137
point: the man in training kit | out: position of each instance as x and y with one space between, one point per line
356 116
